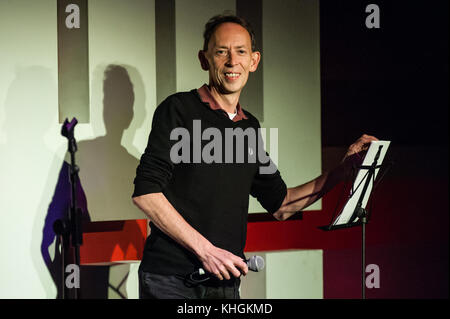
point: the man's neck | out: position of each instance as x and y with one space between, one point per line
227 101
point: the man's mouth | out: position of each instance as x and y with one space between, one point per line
232 75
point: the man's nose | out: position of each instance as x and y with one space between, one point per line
231 59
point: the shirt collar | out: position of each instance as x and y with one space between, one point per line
206 97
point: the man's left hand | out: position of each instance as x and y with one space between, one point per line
361 145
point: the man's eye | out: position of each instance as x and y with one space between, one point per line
220 52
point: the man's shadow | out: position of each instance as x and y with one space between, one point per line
105 181
107 169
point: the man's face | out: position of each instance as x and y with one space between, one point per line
229 58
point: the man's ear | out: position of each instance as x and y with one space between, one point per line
256 57
203 61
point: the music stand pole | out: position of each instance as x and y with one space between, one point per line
361 213
363 218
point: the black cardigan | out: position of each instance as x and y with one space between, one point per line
213 198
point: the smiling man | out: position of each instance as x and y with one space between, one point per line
199 209
229 55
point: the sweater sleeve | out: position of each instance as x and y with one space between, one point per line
267 186
269 189
155 167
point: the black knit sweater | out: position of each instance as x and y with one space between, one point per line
213 198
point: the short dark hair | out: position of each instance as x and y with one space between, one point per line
217 20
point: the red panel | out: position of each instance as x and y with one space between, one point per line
301 234
115 241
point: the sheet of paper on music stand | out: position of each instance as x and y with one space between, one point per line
358 185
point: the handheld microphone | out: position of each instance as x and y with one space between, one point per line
254 263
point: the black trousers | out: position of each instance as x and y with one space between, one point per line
155 286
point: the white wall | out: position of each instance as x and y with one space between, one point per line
31 146
291 57
288 274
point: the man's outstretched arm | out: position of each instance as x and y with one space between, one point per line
300 197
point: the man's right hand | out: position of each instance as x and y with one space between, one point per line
221 263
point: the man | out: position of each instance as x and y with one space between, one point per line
200 208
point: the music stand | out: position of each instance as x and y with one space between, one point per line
354 212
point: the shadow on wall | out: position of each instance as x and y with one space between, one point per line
106 178
106 167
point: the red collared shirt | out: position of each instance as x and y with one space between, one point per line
206 97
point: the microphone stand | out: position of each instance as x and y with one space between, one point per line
70 230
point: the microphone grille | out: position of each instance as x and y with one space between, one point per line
256 263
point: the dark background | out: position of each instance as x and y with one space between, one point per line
390 82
